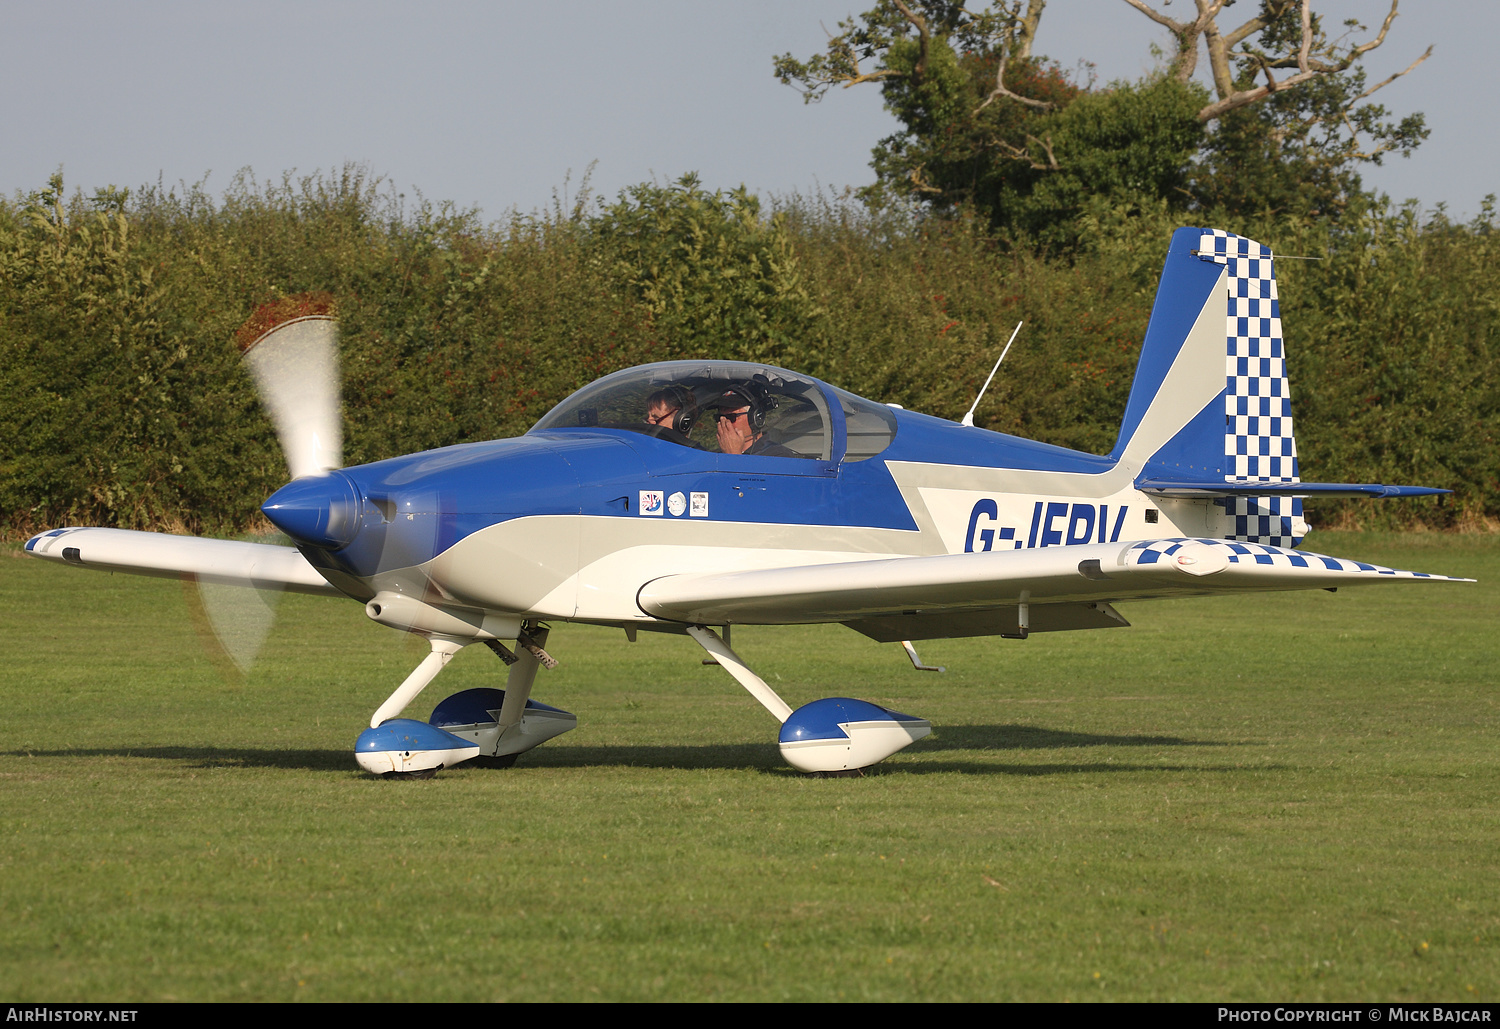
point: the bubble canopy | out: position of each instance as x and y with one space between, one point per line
679 401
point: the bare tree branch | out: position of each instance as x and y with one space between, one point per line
1000 90
1308 67
1338 62
1159 18
1024 153
1186 32
924 38
1387 81
1306 36
1255 24
1384 28
1221 45
1028 25
1282 133
873 77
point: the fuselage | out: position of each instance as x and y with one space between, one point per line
570 522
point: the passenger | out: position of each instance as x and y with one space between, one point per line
741 416
674 408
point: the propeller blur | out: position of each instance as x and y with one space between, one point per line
691 496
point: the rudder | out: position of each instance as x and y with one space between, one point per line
1259 444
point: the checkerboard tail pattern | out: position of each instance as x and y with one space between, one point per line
1259 445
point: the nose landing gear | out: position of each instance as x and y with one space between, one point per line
477 724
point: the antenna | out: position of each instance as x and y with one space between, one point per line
969 418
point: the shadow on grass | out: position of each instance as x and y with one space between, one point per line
767 760
1030 737
762 757
1080 768
214 757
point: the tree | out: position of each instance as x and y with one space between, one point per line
988 125
1292 143
1283 34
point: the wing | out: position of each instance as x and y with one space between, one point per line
1002 592
228 562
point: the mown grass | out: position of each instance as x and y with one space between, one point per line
1283 797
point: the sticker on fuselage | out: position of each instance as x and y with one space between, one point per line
651 502
699 505
676 504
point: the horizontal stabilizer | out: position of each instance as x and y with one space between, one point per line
225 562
1195 488
927 590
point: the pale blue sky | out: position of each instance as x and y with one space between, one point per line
493 104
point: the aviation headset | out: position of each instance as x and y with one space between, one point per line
748 395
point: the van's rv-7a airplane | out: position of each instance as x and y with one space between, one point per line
691 496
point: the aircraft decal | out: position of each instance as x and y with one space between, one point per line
986 539
1053 523
1259 445
651 502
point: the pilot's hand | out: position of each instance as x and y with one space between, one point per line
734 431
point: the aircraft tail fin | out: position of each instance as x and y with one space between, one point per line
1210 403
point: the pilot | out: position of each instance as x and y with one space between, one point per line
674 408
741 416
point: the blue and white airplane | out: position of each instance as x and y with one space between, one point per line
692 496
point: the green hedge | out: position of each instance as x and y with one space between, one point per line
122 401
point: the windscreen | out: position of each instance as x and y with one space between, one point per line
771 412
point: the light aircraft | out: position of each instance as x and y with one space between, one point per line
692 496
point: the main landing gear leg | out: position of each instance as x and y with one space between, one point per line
518 684
835 736
506 723
486 724
735 666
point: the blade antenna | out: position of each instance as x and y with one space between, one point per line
968 419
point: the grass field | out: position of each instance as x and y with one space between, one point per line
1280 797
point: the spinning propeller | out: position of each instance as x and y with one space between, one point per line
291 349
294 362
296 370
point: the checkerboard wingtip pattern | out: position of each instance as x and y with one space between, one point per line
1259 444
1151 552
